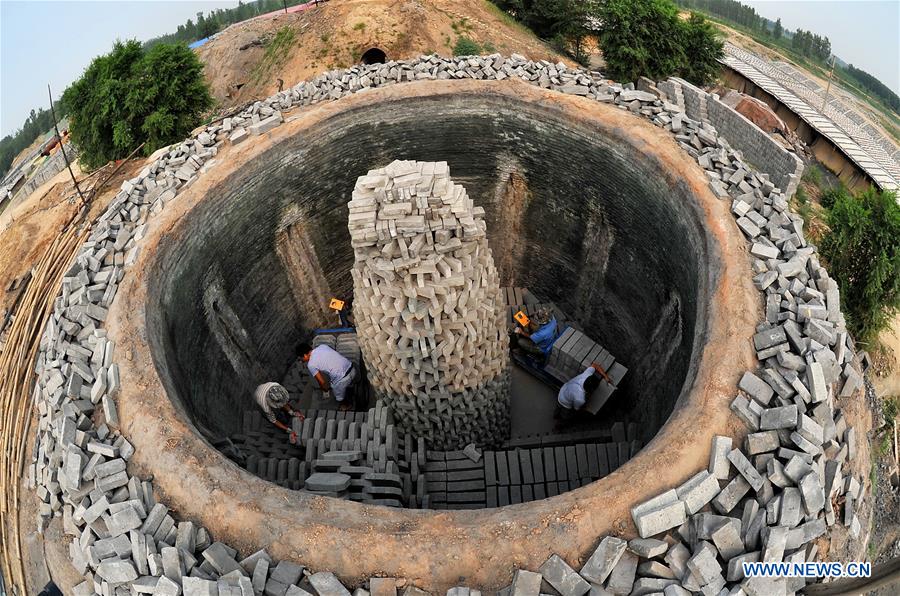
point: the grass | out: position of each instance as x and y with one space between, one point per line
466 46
507 18
461 26
277 51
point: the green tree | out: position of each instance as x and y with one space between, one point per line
702 47
564 22
647 38
778 31
862 249
131 96
640 38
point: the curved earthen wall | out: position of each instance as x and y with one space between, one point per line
595 225
608 217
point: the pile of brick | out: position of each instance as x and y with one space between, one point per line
572 352
427 302
123 541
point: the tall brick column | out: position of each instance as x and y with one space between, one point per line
427 304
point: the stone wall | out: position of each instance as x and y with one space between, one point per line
783 167
50 168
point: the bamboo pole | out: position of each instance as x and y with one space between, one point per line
16 385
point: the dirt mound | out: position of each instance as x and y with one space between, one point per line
246 60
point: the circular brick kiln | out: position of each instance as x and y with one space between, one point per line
586 204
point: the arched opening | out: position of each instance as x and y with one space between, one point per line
374 56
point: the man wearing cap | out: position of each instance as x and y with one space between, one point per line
538 338
273 399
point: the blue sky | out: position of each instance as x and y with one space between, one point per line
52 42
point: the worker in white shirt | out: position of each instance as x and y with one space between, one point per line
332 372
575 392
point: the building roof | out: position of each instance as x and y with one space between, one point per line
862 144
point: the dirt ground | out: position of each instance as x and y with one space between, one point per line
242 63
887 377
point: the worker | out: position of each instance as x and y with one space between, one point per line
332 371
576 391
538 338
273 399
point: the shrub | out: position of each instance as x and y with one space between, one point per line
466 46
647 38
131 96
830 196
862 249
702 49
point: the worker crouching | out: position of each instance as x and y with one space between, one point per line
273 400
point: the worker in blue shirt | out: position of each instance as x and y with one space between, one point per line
537 339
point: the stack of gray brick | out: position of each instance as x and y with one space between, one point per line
428 306
814 369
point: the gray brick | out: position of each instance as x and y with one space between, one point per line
559 457
780 417
326 584
621 579
502 469
537 466
490 469
602 460
604 558
515 476
563 578
287 572
762 442
260 574
218 556
526 583
571 463
699 490
549 464
756 388
733 492
525 466
648 548
117 571
745 468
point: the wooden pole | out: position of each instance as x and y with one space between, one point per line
828 87
63 149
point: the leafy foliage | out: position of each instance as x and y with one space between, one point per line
131 96
702 48
565 22
732 10
863 252
778 31
875 87
811 45
647 38
466 46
